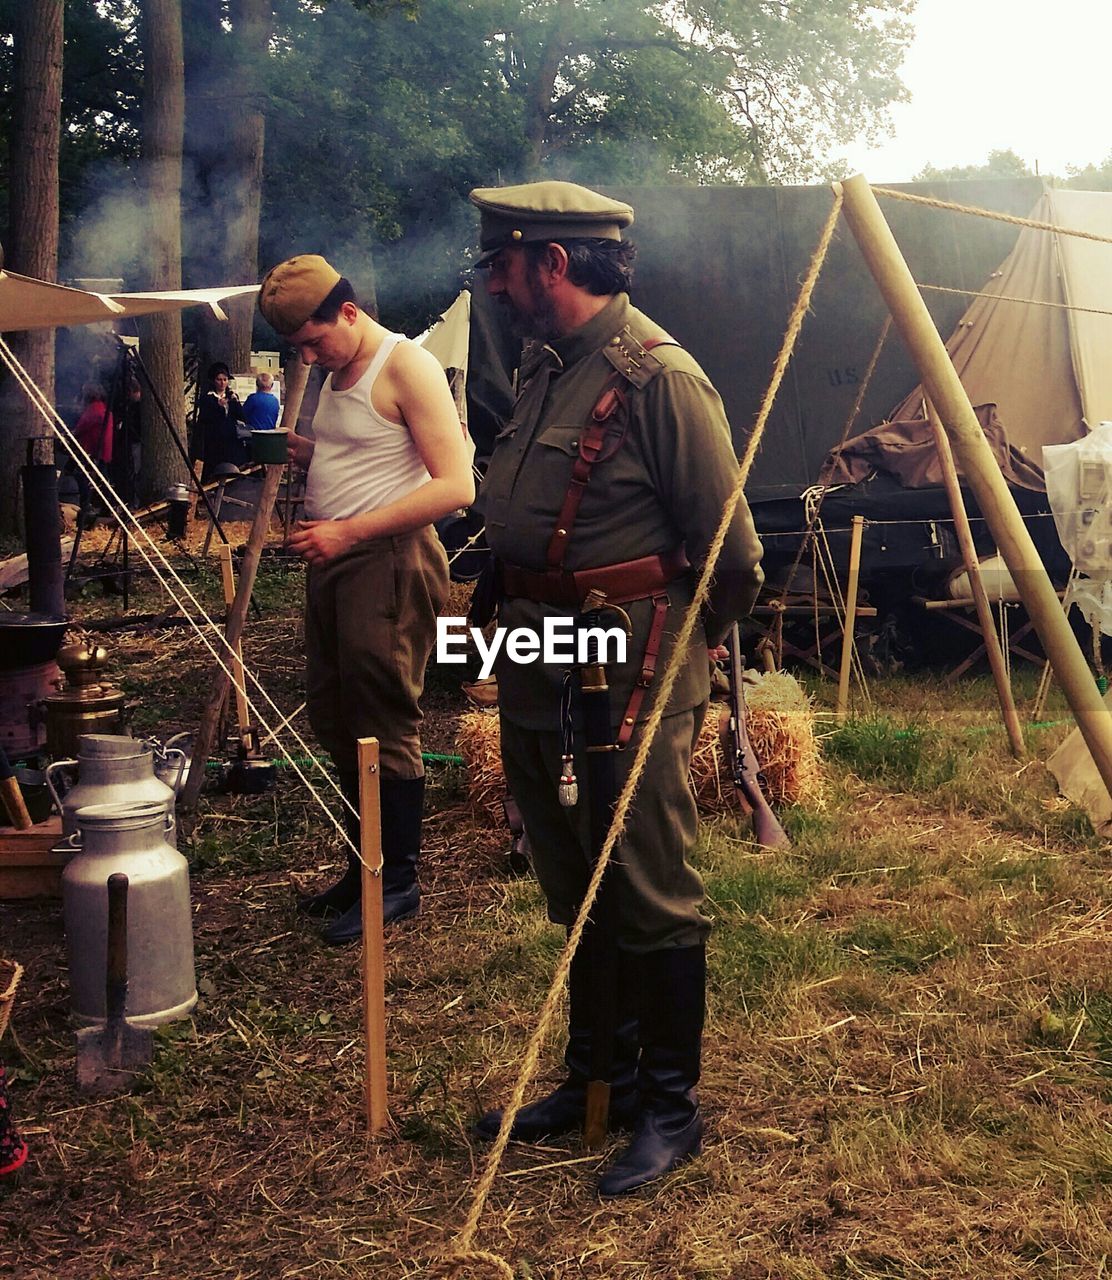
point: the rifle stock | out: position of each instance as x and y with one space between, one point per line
748 781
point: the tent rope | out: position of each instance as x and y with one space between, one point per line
885 328
1027 302
104 490
453 1263
994 214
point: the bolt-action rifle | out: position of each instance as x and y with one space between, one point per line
749 782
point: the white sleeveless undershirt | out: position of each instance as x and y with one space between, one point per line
361 461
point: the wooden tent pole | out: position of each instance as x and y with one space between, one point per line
943 386
374 956
976 584
858 524
237 614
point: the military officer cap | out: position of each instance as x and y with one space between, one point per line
545 211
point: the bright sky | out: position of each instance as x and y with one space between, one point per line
1032 76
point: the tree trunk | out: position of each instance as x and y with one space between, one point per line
538 112
226 141
33 233
160 336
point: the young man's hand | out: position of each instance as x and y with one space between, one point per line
318 541
300 450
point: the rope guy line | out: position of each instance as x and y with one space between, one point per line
104 490
994 214
1004 297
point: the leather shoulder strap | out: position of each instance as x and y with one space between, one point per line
604 434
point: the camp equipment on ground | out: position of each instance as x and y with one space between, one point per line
85 704
108 1057
129 838
114 769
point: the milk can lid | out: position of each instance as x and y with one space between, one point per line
109 746
121 815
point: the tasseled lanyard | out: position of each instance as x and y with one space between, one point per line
569 787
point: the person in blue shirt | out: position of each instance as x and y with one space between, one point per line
260 409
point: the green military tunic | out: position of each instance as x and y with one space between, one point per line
663 488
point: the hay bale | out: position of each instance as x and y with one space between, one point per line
782 733
478 741
781 729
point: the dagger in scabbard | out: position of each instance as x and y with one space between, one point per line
601 935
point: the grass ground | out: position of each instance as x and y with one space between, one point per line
908 1066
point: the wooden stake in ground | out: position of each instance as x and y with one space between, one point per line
233 629
851 615
943 386
374 957
993 651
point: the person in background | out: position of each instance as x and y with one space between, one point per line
127 451
217 438
94 434
260 409
387 460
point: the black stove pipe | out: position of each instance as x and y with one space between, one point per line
43 520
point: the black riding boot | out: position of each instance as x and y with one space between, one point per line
669 1130
345 892
402 804
563 1110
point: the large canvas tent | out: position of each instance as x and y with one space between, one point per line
1030 352
719 268
1037 343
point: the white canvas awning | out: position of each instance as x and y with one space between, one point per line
35 304
448 338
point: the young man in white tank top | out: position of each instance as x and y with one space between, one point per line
387 459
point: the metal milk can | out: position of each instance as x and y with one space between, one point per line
115 770
161 984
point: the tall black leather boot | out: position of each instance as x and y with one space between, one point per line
563 1110
402 805
340 897
672 995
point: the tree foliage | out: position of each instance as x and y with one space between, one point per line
1000 164
381 118
380 114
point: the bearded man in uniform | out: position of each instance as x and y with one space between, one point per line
611 473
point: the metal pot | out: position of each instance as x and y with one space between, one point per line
161 983
84 705
113 769
29 639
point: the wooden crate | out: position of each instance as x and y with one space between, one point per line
29 867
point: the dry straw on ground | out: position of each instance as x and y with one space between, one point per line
781 729
905 1073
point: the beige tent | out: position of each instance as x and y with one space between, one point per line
36 304
1045 367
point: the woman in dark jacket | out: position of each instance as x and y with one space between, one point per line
219 412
